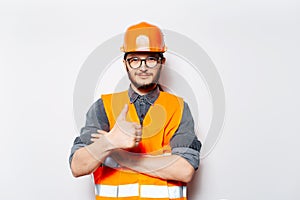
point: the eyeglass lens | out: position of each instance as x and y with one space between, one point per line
136 62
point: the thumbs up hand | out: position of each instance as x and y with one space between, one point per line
125 134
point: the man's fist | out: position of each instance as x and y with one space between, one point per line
125 134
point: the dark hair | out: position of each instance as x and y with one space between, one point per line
159 53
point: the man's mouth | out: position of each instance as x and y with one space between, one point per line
143 74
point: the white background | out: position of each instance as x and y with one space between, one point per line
254 45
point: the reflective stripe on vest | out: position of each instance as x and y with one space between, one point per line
146 191
127 190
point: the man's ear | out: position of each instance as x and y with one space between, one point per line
124 63
163 61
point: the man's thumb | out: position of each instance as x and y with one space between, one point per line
123 113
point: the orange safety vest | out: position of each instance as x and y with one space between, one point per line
159 125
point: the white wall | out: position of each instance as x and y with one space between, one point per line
253 44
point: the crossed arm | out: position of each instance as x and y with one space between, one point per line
87 159
170 167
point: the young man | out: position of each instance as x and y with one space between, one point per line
140 143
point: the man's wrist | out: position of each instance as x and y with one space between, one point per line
100 148
111 141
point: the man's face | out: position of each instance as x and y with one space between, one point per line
143 77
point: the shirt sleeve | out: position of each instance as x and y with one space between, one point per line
96 119
185 142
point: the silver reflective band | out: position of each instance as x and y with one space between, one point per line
155 191
106 190
146 191
177 191
127 190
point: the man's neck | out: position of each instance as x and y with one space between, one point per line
143 91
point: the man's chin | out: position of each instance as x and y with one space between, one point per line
146 86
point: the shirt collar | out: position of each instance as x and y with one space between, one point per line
149 97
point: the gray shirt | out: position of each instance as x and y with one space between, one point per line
183 143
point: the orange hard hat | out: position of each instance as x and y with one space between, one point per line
143 37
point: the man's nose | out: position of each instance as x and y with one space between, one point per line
143 65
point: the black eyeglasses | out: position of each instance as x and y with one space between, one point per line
136 62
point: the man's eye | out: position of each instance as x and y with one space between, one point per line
152 58
134 59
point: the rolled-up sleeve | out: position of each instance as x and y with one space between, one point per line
185 142
96 119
